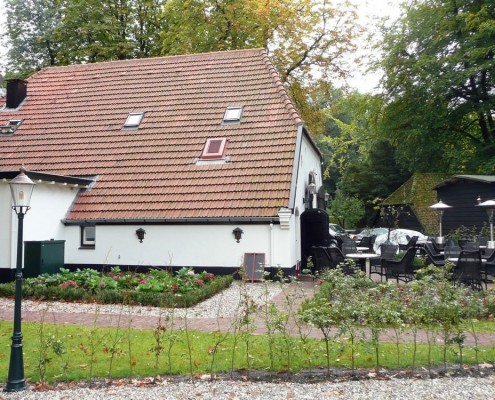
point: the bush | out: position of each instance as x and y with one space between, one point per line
155 288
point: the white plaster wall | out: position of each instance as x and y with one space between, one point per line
309 161
177 245
6 214
49 205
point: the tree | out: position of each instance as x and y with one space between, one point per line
31 31
440 85
348 211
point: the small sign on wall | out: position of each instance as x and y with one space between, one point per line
254 266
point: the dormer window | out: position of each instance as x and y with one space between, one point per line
214 149
10 127
133 120
232 114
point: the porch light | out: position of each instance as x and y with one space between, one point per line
237 232
489 206
140 234
440 207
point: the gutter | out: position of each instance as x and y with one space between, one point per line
165 221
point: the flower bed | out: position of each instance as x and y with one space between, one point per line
156 287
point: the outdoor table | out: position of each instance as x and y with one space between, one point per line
454 260
367 257
362 248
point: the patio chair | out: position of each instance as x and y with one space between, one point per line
400 270
349 248
432 256
411 243
367 241
483 240
488 268
468 270
451 252
338 258
321 259
434 244
388 251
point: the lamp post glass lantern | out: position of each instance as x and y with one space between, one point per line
440 207
21 188
489 206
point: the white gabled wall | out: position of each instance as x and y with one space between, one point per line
49 205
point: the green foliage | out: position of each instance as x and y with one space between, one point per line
156 288
348 211
439 78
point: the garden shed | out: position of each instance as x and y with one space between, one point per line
413 199
463 192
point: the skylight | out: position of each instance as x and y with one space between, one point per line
133 120
214 149
233 114
11 126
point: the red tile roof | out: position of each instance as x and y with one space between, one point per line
73 119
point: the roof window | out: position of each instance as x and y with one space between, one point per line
10 127
133 120
232 114
214 149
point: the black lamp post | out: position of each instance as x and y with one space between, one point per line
22 189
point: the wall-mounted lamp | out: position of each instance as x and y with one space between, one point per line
312 188
140 234
237 232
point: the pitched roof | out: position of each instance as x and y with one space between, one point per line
74 115
474 178
418 192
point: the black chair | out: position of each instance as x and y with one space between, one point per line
387 252
432 257
321 259
451 252
488 267
349 248
367 241
400 270
339 259
435 245
483 240
411 243
468 270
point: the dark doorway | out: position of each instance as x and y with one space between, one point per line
314 232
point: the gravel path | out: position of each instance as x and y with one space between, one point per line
434 389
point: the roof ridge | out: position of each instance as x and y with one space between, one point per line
281 88
150 58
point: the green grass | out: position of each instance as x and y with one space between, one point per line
88 352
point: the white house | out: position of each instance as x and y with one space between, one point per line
187 148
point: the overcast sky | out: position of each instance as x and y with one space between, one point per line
369 11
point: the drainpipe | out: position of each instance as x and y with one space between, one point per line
271 244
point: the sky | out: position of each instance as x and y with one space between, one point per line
368 11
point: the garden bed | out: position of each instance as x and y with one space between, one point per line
157 287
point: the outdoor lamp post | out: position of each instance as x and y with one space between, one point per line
489 206
440 207
22 189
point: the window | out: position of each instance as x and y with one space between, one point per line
88 236
214 149
11 126
232 114
133 120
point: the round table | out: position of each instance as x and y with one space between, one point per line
367 257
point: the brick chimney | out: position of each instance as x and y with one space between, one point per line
16 92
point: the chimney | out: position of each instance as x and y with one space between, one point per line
16 92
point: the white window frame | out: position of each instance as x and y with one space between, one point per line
133 120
